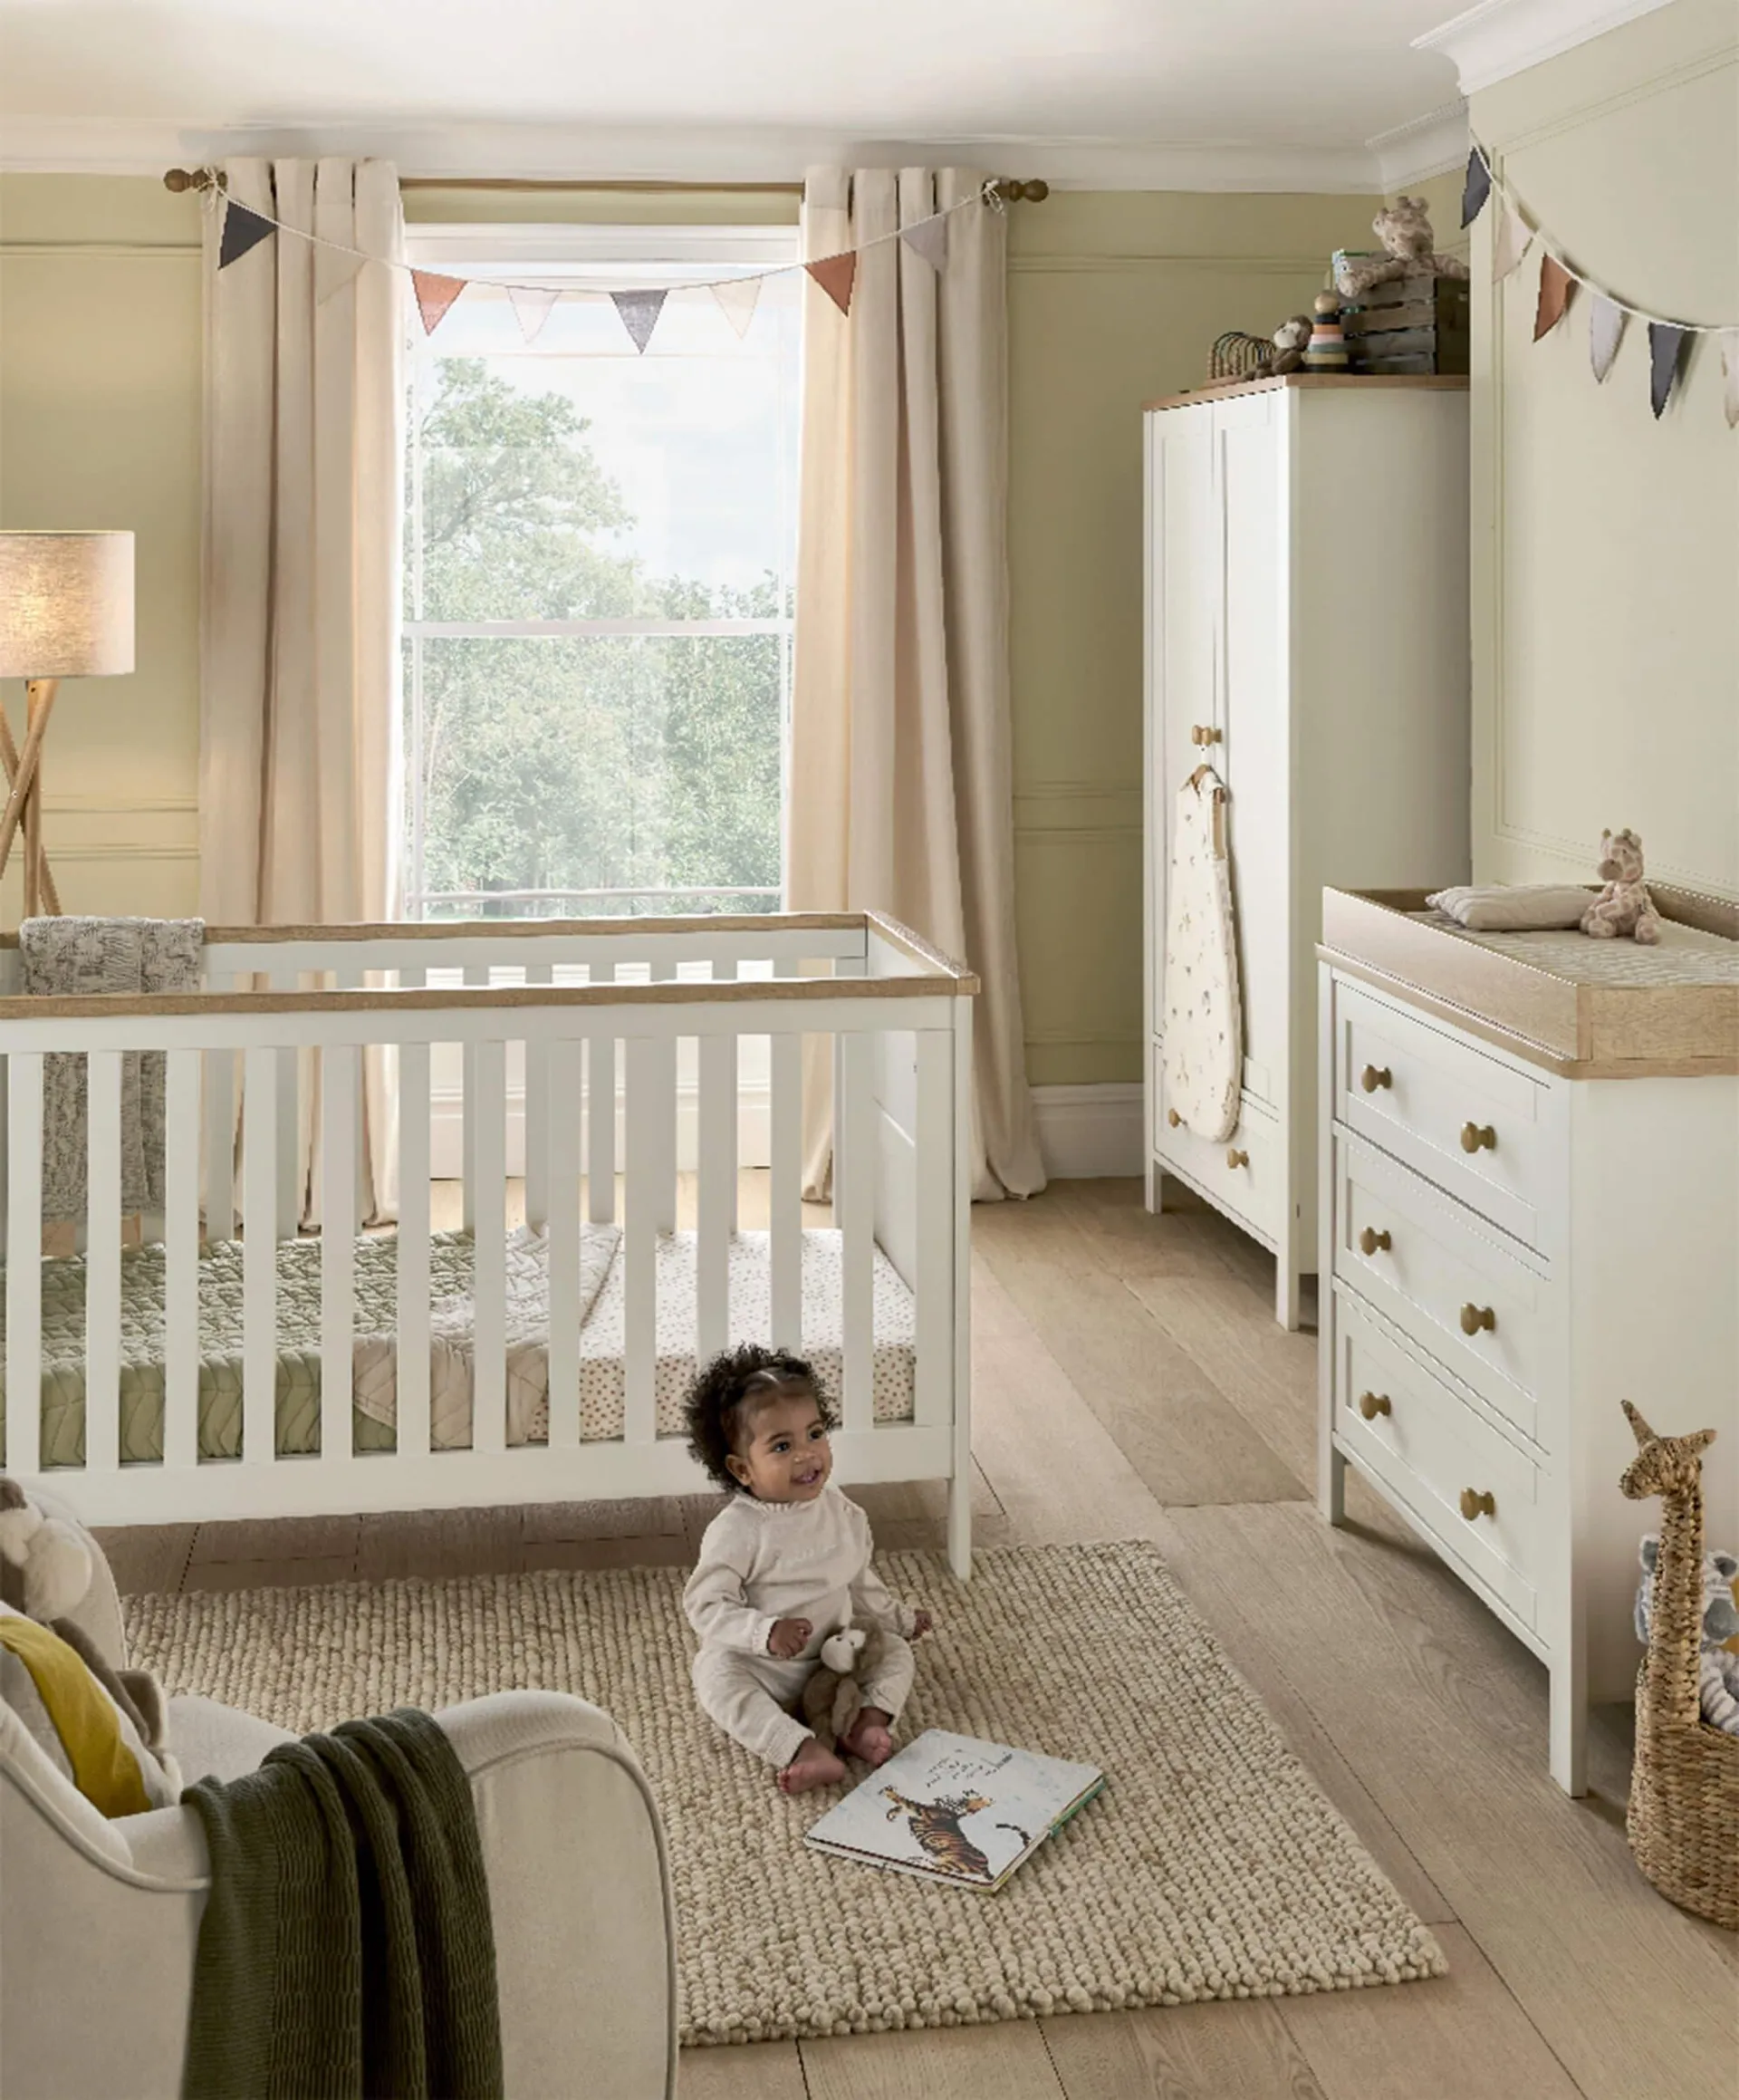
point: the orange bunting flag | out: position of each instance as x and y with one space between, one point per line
836 275
434 294
1556 288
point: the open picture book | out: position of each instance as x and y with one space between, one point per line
955 1809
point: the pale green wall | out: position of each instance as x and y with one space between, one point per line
1113 298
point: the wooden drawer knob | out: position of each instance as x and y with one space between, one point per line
1370 1240
1473 1506
1476 1137
1372 1404
1173 1118
1376 1075
1474 1317
1237 1159
1204 733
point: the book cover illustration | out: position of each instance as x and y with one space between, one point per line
955 1809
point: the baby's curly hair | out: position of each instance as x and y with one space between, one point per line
715 1404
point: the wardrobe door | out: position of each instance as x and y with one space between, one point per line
1254 755
1183 646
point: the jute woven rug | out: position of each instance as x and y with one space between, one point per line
1212 1866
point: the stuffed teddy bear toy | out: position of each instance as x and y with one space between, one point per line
833 1697
45 1570
1404 228
1289 339
1624 906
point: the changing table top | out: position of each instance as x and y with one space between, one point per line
1588 1009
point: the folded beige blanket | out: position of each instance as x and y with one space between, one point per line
1522 907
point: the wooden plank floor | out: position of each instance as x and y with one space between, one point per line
1130 1383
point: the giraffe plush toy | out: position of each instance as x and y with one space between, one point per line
1624 906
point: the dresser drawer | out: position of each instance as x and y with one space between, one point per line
1470 1123
1429 1446
1442 1277
1244 1175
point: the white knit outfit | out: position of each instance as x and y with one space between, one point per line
761 1562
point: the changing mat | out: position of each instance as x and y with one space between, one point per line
1204 1047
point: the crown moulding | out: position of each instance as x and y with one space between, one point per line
1430 145
1498 38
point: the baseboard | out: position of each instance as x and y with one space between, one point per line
1089 1134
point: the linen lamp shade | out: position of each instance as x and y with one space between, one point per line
66 605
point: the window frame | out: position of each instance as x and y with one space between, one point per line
591 257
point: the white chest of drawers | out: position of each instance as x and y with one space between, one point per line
1529 1211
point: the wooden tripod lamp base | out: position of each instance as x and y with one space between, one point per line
66 611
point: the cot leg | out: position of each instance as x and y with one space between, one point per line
960 1524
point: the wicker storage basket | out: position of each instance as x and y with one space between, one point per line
1683 1813
1236 356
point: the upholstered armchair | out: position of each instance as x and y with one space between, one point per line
98 1919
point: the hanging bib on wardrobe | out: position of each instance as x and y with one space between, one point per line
1203 1055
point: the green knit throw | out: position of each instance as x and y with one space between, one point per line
345 1951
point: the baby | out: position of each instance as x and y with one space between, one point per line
782 1566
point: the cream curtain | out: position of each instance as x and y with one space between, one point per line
900 795
304 493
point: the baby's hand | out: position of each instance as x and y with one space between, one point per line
921 1624
788 1638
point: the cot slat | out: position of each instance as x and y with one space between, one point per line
562 1076
785 1180
934 1271
489 1330
259 1256
413 1249
220 1143
475 974
289 1122
356 980
644 1070
716 1203
24 1261
536 1121
600 1115
181 1258
855 1145
102 1264
664 1137
844 966
337 1093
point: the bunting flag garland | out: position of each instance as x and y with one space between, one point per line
1666 348
640 312
1556 285
929 238
1607 315
242 230
1606 321
435 293
1515 236
738 297
836 276
1476 189
532 305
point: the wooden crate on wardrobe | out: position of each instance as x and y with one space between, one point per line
1306 571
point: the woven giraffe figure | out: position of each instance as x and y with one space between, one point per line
1685 1782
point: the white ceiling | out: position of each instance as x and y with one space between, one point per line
1084 89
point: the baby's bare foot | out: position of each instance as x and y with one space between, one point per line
813 1766
870 1736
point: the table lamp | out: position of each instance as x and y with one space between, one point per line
66 612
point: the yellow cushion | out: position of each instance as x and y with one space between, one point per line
87 1721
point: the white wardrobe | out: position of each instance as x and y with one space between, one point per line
1306 565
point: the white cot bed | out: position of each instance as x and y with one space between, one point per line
236 1365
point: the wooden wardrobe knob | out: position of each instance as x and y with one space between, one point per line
1474 1317
1204 733
1237 1159
1372 1404
1376 1075
1173 1118
1474 1505
1370 1240
1475 1137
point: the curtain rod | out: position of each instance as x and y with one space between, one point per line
1008 188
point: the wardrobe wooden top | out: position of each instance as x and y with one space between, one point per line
1583 1009
1308 383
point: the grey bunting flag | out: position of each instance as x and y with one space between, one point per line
1477 187
242 230
640 312
1665 347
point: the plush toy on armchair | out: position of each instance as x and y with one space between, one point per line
1624 906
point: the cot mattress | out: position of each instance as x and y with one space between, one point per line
451 1259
